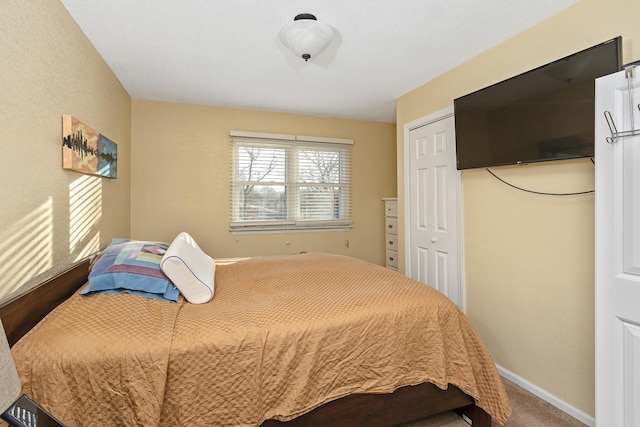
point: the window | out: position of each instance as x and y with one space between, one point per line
289 182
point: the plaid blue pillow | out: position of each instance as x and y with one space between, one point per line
132 266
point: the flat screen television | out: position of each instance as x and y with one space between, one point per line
543 114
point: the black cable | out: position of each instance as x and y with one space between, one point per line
539 192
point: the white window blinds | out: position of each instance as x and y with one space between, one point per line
288 182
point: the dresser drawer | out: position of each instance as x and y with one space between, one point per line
392 242
391 225
391 208
392 259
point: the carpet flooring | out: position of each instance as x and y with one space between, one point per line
527 411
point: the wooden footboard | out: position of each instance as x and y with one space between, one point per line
405 404
381 410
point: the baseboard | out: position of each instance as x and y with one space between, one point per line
547 397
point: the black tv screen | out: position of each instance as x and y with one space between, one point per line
543 114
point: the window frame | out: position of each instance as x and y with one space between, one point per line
292 144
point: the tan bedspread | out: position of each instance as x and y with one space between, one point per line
282 336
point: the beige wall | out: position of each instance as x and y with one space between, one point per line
182 170
529 259
51 217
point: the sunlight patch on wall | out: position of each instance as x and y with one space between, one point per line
85 212
26 249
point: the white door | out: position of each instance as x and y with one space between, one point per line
618 253
432 202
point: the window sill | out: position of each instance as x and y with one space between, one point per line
239 228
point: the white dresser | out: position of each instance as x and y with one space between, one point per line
391 232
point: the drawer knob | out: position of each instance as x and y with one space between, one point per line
391 242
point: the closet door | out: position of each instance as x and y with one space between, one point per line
618 250
433 247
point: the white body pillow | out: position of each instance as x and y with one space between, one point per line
190 269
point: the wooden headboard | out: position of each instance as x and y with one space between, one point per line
22 313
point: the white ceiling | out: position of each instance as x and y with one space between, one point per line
227 52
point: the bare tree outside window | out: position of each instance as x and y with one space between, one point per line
262 202
319 201
291 182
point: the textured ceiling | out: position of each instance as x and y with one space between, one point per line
227 52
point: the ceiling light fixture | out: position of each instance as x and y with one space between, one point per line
305 36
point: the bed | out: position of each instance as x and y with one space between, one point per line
306 339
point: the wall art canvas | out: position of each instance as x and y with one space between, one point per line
86 150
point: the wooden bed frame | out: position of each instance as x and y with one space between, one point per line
406 404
